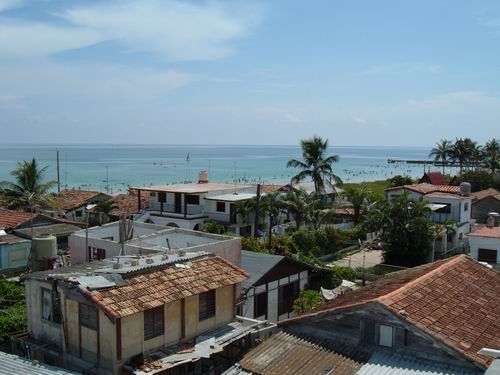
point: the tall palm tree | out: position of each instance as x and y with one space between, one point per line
271 205
442 152
105 209
28 190
298 204
359 200
316 165
461 152
245 209
491 155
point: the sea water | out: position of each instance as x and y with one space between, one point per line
114 168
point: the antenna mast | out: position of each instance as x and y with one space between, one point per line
58 176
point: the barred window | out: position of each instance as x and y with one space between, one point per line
154 322
207 305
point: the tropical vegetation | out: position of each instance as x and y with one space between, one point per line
28 189
12 310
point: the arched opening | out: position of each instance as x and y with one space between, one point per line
197 227
173 225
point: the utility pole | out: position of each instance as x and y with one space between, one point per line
257 206
58 176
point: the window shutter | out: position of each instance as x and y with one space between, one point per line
368 334
401 337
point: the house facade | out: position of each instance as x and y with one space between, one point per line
273 285
188 206
73 203
484 203
14 253
113 319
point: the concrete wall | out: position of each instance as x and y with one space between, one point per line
14 255
481 209
484 243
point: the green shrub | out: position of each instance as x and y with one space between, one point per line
12 309
253 244
330 279
213 227
306 301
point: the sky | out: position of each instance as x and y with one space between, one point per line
368 73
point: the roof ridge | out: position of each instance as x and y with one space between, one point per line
419 279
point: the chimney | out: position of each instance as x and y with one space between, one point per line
203 177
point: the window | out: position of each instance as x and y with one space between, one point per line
78 213
444 210
260 305
221 206
88 316
162 197
207 305
98 254
487 255
466 206
50 308
154 322
192 199
286 296
386 336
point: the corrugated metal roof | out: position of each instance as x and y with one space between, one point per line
284 353
12 364
257 265
394 364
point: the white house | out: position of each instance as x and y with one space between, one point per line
190 205
104 242
449 204
485 245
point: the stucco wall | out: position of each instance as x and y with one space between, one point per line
15 254
484 243
482 208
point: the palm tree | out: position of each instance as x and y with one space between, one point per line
271 205
491 155
316 165
298 204
105 209
462 152
245 209
28 190
359 199
442 152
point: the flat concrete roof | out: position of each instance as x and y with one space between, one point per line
193 188
232 197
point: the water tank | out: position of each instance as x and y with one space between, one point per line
203 177
44 247
465 189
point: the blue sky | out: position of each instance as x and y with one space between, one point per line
358 72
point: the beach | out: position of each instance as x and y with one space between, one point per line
113 168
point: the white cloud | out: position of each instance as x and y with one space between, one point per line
172 29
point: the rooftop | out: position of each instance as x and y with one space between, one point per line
425 188
145 282
456 301
439 194
193 188
128 203
9 239
54 229
70 199
434 178
257 265
10 219
12 364
486 232
478 195
232 197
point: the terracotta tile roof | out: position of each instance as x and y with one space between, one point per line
270 188
457 301
486 232
70 199
155 288
478 195
434 178
284 353
10 219
425 188
127 203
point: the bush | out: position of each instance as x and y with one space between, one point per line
479 180
253 244
13 309
330 279
318 242
306 301
213 227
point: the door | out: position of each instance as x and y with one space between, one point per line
178 203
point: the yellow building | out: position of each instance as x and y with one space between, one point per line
144 314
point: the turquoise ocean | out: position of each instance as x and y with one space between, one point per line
116 167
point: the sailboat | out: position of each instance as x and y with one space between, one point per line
188 157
